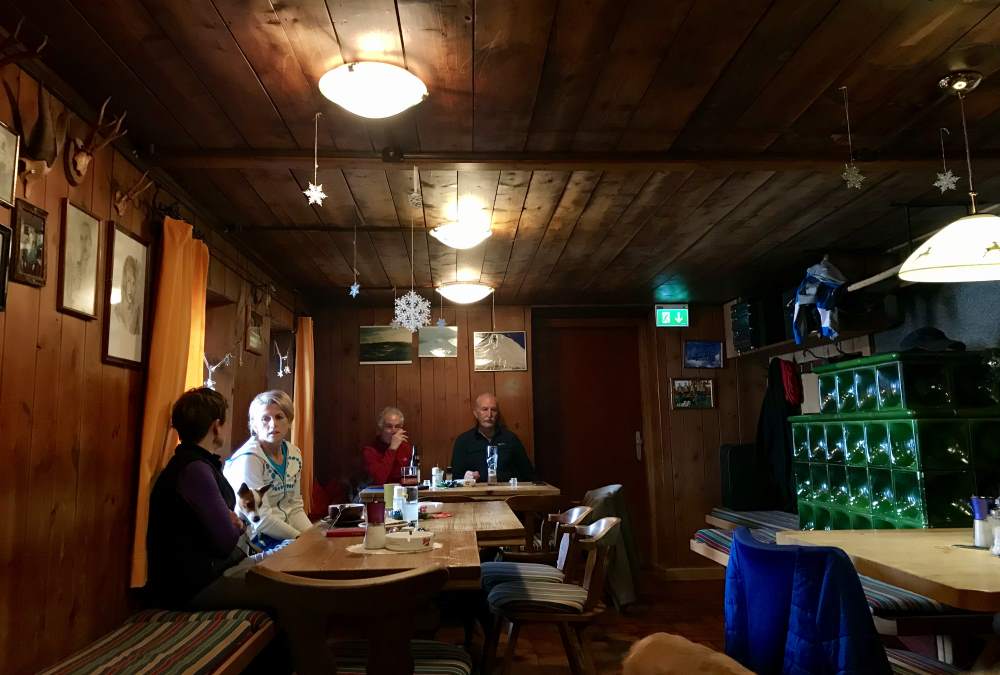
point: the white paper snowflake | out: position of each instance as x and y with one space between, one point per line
355 289
852 176
413 311
946 181
315 193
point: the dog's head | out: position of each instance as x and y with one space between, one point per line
250 500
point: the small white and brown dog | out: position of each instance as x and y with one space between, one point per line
249 501
666 654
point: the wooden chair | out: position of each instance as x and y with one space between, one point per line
571 607
386 604
533 512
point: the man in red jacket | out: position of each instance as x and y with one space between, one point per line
391 450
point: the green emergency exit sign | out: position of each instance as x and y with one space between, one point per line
672 316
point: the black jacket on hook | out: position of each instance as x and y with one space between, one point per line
774 440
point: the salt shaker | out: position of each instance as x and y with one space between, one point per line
375 527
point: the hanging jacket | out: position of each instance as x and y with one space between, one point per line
798 610
774 439
816 301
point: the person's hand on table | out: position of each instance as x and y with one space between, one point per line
397 439
474 475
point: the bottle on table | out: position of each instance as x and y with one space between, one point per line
492 456
411 472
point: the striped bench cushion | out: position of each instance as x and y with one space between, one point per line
429 657
538 596
494 573
884 599
771 520
907 663
166 642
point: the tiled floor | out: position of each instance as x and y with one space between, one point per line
691 608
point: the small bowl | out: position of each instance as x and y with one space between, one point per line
345 514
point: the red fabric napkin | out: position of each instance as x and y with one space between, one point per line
435 516
346 532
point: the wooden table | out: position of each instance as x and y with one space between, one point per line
922 561
480 491
493 522
314 554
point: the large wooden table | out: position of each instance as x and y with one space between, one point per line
473 524
922 561
480 491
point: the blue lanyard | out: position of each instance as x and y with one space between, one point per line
280 470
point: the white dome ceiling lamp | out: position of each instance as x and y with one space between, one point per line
462 235
372 89
969 248
464 292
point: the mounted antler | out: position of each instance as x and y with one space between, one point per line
40 151
13 50
80 153
123 199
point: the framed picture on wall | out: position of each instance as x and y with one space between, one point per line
126 297
10 145
78 262
692 394
438 342
28 248
702 354
255 332
5 238
498 351
384 345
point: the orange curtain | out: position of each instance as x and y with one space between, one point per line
302 425
175 364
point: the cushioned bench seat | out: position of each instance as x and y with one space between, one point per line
768 520
156 641
908 663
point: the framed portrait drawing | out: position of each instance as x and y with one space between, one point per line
702 354
10 145
28 248
498 351
126 297
256 336
692 394
78 262
5 238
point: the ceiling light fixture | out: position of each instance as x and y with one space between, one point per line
462 235
968 249
464 292
372 89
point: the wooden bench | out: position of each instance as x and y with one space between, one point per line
220 642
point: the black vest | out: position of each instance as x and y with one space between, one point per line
181 559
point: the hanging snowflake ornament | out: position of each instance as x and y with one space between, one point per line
946 181
355 289
852 176
413 311
442 323
315 194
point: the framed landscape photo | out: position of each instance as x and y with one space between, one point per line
498 351
255 337
10 145
702 354
438 342
5 238
126 297
692 394
28 248
78 262
384 345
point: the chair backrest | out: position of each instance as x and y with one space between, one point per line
565 524
306 604
594 541
798 608
532 510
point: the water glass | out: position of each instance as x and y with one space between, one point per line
410 475
492 456
411 506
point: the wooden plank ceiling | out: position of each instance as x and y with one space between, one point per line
631 150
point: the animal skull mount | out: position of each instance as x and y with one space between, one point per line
80 153
123 199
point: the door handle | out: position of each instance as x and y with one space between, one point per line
638 446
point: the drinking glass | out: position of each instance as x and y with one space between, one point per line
410 475
492 453
411 506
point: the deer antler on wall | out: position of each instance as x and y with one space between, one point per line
123 199
79 153
12 49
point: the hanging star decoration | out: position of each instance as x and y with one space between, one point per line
355 289
413 311
442 323
946 181
852 176
315 193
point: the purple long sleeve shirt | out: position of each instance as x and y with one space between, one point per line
196 485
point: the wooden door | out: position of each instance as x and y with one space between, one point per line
588 410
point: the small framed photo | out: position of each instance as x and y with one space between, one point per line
78 261
28 253
5 238
499 351
10 145
384 345
126 297
438 342
255 332
702 354
692 394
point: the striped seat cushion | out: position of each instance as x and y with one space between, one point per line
429 657
538 596
166 642
770 520
494 573
884 599
907 663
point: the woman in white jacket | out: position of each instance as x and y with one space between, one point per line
270 466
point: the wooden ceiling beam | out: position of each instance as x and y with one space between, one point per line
281 160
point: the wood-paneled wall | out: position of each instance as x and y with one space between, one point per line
69 427
435 394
